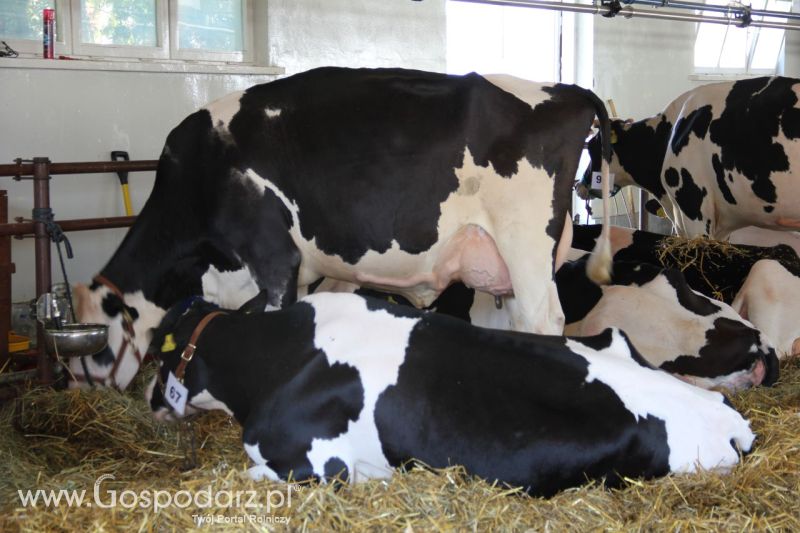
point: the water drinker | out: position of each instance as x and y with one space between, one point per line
76 340
65 339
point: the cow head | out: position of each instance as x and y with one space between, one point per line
169 347
584 187
129 317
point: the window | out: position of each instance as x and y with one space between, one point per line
210 30
721 49
490 39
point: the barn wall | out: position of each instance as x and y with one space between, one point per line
309 33
650 62
77 115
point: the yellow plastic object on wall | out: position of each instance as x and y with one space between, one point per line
17 343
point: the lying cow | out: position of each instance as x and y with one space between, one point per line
341 385
702 341
719 157
394 179
770 297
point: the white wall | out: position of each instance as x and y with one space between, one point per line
357 33
76 115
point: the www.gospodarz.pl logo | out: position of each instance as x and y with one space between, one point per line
157 500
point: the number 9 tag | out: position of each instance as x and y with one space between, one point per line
597 180
176 394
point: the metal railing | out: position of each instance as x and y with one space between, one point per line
40 170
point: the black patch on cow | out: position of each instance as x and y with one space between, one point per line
630 273
335 468
641 148
790 123
604 339
576 292
690 300
381 303
727 350
105 357
406 132
769 208
511 407
671 177
312 287
723 185
584 237
652 206
456 301
696 122
112 306
690 197
598 342
755 111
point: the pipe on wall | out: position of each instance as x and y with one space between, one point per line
630 12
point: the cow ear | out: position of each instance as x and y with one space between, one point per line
257 304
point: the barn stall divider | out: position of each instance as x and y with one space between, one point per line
40 171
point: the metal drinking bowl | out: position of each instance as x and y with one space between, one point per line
75 340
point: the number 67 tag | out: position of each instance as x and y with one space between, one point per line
597 180
176 394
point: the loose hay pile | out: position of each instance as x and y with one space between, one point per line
67 440
713 261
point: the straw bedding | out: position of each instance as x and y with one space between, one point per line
66 440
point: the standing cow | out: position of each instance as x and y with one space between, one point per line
341 385
394 179
719 157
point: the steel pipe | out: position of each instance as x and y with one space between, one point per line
630 12
24 229
24 168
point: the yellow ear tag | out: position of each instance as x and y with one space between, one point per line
613 137
169 343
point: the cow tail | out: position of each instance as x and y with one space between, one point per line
598 268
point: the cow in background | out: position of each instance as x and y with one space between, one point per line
719 157
394 179
761 283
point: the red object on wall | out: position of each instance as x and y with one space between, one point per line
49 35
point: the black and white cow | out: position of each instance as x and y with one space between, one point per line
719 157
394 179
687 334
339 384
761 283
702 341
770 297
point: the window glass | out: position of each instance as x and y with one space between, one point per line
490 39
214 25
119 22
22 19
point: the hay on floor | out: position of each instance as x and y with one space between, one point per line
66 440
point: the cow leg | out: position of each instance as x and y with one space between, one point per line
260 470
260 235
535 307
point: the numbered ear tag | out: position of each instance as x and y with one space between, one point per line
597 180
176 394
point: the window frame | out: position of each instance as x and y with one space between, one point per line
63 43
160 51
68 39
245 56
747 70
